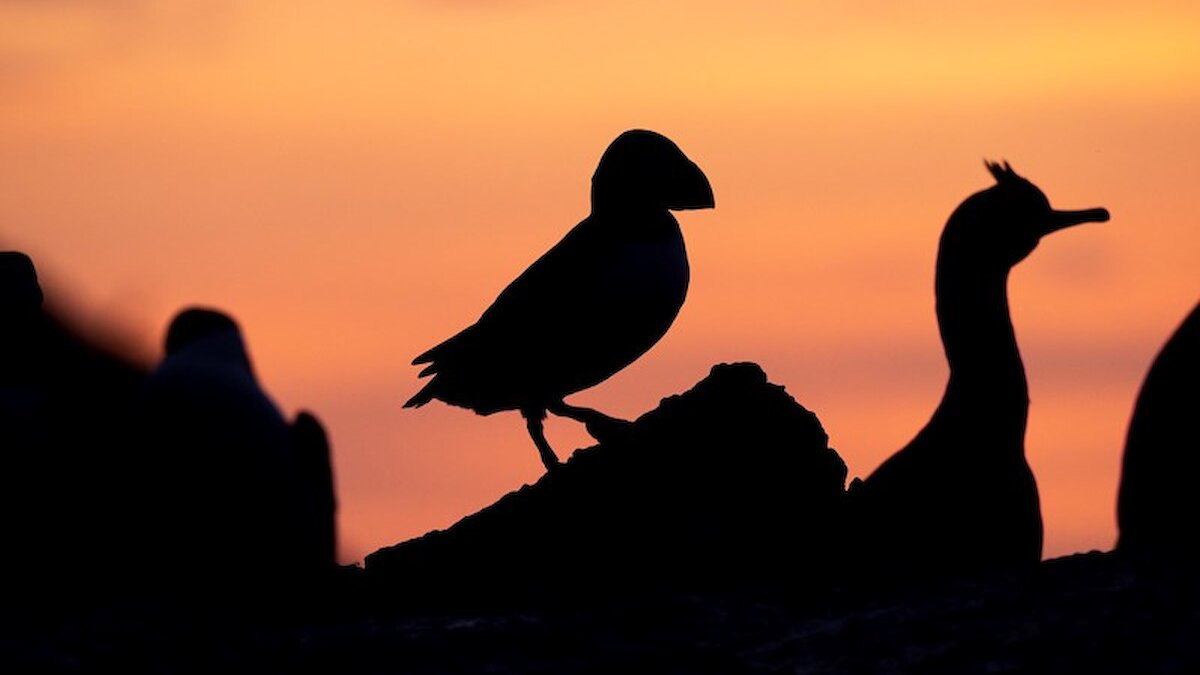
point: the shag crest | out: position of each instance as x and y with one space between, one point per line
1002 172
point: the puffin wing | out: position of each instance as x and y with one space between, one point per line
554 294
534 324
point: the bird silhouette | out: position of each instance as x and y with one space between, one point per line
1157 509
588 307
960 495
239 484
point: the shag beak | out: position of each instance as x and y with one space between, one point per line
690 190
1063 219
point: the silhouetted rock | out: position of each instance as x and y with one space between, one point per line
727 485
1158 509
588 307
960 496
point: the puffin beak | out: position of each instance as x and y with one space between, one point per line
1063 219
690 190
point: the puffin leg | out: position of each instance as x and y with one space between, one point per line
601 427
533 422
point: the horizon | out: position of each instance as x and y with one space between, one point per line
356 184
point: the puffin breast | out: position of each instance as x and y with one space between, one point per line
645 282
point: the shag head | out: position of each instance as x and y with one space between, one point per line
1006 221
643 169
194 324
19 289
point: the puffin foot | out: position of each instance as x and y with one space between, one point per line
603 428
534 423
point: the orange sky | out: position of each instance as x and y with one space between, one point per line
355 183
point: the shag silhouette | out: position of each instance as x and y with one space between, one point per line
590 306
1157 509
960 495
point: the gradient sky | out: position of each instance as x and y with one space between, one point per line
356 181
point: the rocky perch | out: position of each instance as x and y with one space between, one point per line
730 484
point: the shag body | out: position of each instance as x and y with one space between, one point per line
591 305
961 495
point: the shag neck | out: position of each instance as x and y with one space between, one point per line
977 333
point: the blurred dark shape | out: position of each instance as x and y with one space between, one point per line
21 309
64 407
318 543
193 325
239 500
960 496
120 483
590 306
1157 507
730 485
20 293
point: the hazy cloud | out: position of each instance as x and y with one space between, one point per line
64 33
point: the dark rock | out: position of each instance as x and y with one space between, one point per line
728 485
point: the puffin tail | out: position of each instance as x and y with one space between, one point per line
422 397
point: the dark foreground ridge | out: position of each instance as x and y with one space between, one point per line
713 515
730 484
1090 613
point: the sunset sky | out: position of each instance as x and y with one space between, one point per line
356 181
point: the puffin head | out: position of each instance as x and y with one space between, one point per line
1006 221
644 169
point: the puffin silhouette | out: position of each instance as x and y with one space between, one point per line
960 495
587 308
